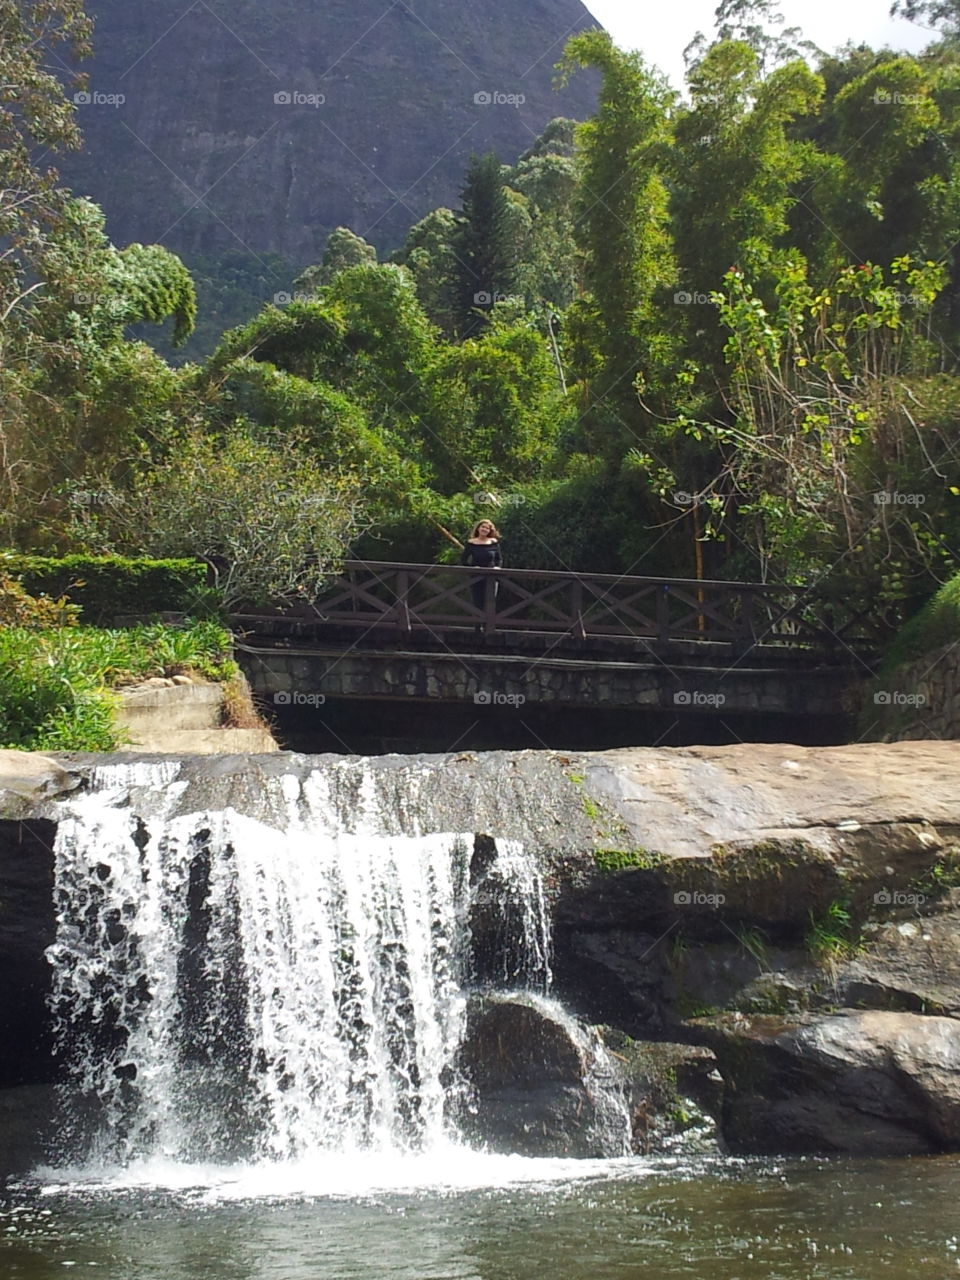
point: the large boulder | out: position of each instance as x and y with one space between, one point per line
855 1082
911 964
847 802
540 1084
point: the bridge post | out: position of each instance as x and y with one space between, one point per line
490 602
403 606
663 613
747 637
576 610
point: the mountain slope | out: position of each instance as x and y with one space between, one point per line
259 125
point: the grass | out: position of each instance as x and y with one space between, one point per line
939 878
754 942
831 937
239 711
57 686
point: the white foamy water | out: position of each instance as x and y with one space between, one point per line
243 996
319 1176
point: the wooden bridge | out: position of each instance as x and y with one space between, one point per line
383 602
414 657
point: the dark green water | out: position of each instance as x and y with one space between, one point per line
714 1220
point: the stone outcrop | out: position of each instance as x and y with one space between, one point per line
855 804
874 1082
28 780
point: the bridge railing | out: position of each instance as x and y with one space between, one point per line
438 598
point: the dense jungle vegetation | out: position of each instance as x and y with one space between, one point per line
711 334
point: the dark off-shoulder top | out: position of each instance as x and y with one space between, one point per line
482 557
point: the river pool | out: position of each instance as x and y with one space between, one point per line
470 1217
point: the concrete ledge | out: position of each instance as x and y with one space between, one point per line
145 708
207 742
185 719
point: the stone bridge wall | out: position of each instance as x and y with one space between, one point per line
308 677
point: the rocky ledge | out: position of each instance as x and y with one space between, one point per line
794 911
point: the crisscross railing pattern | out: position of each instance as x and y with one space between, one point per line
451 598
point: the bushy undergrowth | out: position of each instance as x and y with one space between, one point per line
937 624
20 609
57 686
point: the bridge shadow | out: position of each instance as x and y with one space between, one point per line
378 726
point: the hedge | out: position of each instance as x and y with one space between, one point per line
108 586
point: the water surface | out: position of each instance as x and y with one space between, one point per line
717 1219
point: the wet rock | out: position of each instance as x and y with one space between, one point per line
674 1093
908 964
858 1083
530 1070
616 974
710 977
26 1127
27 780
27 928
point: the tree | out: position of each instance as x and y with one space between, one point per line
344 249
345 376
75 394
549 266
500 406
734 166
36 118
832 422
944 14
274 522
622 226
483 248
755 23
428 254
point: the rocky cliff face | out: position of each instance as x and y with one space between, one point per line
259 125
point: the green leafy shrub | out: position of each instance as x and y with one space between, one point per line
937 624
56 686
107 586
20 609
275 520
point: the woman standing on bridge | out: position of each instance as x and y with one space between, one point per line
482 551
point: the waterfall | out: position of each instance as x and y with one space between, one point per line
259 975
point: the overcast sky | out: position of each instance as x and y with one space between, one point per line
662 29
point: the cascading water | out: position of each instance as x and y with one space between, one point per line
264 984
